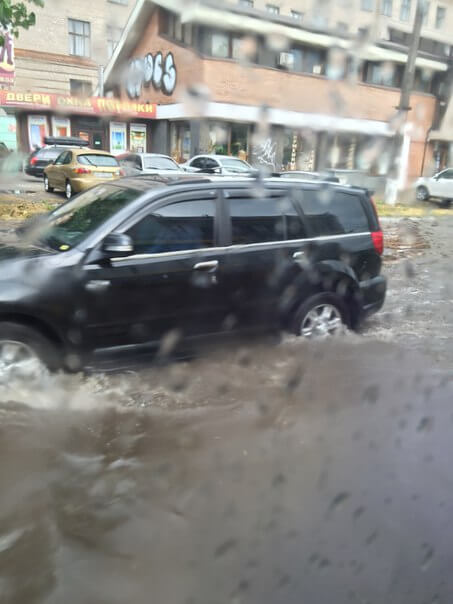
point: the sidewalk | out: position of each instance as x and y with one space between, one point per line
19 182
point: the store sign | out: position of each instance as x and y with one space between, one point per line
75 105
7 64
143 72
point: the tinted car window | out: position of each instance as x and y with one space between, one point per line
235 165
94 159
49 154
61 158
185 225
68 157
198 162
330 212
210 163
262 220
448 175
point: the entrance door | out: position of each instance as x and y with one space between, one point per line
95 138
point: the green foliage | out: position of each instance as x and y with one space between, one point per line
17 15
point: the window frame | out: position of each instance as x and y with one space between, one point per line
271 192
208 194
440 10
74 36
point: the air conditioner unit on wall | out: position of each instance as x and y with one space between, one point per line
286 60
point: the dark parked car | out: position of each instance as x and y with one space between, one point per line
54 146
125 263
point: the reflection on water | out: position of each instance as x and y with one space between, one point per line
292 474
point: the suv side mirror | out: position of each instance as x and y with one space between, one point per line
117 245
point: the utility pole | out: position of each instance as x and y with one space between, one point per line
404 107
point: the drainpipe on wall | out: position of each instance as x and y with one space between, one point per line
424 150
101 81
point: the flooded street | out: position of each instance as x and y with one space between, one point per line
270 474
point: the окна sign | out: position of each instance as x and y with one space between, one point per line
75 105
155 70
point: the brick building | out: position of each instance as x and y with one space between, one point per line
330 98
56 60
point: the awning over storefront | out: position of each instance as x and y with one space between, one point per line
445 132
277 117
69 105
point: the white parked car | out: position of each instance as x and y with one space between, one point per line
148 163
439 186
220 164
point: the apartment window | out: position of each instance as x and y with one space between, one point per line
295 14
125 2
387 7
113 37
367 5
425 12
246 3
79 38
273 8
173 27
220 45
405 10
441 11
80 88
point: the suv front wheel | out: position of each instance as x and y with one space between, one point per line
422 193
320 316
24 352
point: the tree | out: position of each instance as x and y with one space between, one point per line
16 15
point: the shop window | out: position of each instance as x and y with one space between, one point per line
405 10
61 126
309 60
220 45
79 38
383 74
441 12
80 88
180 141
137 138
173 28
387 7
37 130
113 37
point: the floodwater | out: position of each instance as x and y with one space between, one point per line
271 474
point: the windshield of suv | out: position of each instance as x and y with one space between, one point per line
160 163
74 221
92 159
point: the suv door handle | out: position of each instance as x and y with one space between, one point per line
97 286
209 267
298 255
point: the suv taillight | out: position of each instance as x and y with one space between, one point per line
378 241
33 160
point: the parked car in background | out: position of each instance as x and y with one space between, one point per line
75 170
220 164
439 186
148 163
144 256
54 146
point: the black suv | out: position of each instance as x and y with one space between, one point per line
120 266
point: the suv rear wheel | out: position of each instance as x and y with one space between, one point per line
24 352
320 316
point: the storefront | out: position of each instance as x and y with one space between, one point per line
105 123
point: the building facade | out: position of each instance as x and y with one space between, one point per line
283 95
57 63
